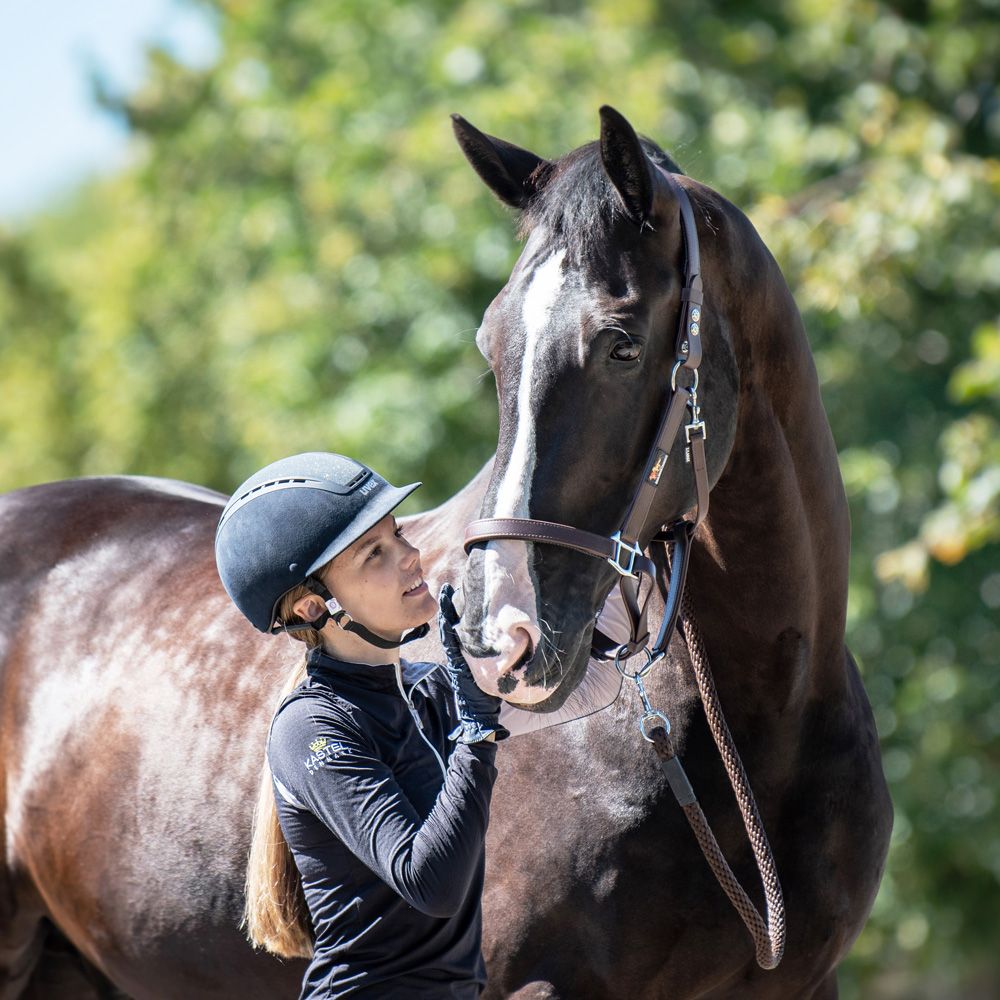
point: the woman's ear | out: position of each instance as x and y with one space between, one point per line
309 607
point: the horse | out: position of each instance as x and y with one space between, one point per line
135 700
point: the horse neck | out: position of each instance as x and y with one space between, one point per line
768 575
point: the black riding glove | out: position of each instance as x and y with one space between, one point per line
478 712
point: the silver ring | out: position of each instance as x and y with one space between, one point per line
653 716
620 668
678 365
651 660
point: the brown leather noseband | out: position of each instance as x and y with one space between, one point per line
624 549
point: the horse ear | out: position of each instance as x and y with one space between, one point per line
507 170
626 165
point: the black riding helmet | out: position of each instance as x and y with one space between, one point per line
290 519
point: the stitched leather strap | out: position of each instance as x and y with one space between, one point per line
700 476
638 513
527 529
689 320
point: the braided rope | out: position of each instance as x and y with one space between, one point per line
769 935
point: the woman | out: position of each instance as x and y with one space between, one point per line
384 817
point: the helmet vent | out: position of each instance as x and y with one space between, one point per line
356 481
272 483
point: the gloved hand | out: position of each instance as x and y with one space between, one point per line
478 712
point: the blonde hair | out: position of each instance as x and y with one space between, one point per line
275 916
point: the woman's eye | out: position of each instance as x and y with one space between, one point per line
377 550
626 350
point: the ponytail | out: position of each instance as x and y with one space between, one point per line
275 916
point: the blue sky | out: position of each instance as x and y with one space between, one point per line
52 134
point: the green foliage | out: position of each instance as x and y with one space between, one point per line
300 256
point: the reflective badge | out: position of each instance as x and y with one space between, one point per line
657 470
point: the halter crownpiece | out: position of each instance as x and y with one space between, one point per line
623 550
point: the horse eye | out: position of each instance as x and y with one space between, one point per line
626 350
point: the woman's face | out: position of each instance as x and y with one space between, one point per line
379 581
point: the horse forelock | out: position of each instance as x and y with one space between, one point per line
577 200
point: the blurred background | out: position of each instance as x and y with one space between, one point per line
235 229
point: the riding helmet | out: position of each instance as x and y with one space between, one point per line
290 519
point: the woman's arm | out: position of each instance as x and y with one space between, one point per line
329 764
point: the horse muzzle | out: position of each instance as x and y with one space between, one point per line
510 657
510 644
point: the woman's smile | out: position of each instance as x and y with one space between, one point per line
379 580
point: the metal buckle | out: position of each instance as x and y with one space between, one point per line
695 426
616 557
653 656
337 613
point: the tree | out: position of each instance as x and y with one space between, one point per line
300 256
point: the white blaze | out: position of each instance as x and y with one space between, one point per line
509 596
539 300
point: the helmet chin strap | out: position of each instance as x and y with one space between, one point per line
334 612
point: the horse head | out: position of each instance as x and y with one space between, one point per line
581 343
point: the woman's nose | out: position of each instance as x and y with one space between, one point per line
411 554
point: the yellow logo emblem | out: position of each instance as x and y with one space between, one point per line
318 745
657 470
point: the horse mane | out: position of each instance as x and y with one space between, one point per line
577 199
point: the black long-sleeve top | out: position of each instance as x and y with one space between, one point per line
390 852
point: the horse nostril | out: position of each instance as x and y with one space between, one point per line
521 651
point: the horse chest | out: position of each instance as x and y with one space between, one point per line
588 848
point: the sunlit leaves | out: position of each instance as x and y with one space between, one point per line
299 257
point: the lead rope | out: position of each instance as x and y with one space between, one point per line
769 935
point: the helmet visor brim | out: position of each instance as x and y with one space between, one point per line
384 503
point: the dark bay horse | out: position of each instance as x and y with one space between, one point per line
135 699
